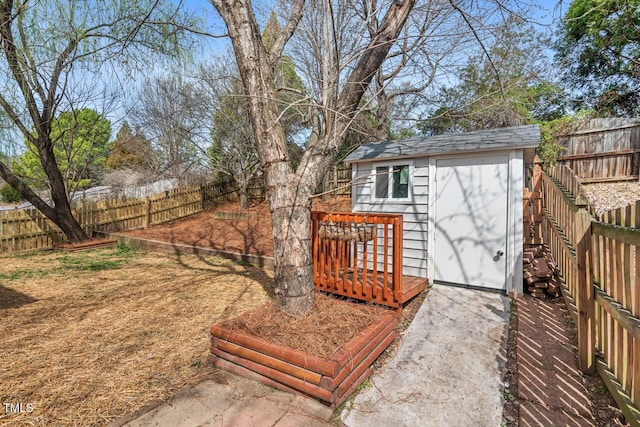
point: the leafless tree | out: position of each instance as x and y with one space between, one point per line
289 192
175 114
233 152
53 57
343 47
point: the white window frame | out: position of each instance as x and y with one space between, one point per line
390 166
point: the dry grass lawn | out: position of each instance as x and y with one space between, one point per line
91 336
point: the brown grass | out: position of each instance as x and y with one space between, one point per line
92 336
320 333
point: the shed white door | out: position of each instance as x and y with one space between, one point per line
471 221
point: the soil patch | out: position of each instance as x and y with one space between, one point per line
248 234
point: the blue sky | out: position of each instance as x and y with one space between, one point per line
548 14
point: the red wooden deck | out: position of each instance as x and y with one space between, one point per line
345 286
360 256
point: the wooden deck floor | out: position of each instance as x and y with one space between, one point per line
344 285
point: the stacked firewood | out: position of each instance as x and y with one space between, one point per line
540 272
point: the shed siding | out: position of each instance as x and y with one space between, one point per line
415 213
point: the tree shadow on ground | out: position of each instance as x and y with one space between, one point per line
230 266
10 298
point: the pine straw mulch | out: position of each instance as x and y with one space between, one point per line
320 333
90 337
249 236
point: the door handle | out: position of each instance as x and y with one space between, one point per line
498 255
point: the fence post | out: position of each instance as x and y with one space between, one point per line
536 184
203 197
584 293
147 213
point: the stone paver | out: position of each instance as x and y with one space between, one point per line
550 389
233 401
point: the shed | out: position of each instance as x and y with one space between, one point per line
461 200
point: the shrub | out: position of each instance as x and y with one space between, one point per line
10 194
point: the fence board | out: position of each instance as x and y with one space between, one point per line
604 154
28 229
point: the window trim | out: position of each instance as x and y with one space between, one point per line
389 166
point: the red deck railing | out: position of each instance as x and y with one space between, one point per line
359 256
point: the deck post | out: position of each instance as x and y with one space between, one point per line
397 259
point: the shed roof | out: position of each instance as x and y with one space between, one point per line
482 140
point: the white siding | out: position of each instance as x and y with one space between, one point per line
415 212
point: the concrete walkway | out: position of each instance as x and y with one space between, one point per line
233 401
448 368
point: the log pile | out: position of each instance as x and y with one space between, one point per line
540 272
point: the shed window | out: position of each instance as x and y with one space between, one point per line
393 182
382 182
400 182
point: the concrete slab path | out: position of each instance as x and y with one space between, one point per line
448 367
233 401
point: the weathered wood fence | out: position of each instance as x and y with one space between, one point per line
609 150
338 180
28 229
600 263
532 207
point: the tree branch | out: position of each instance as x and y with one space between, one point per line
288 30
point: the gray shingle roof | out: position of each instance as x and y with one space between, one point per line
483 140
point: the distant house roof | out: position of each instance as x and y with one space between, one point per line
483 140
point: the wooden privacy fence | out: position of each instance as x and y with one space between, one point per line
360 256
28 229
337 180
117 215
607 151
25 230
600 264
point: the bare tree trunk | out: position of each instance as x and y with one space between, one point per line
242 180
61 214
289 192
244 197
291 223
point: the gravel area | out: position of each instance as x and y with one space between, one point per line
608 196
